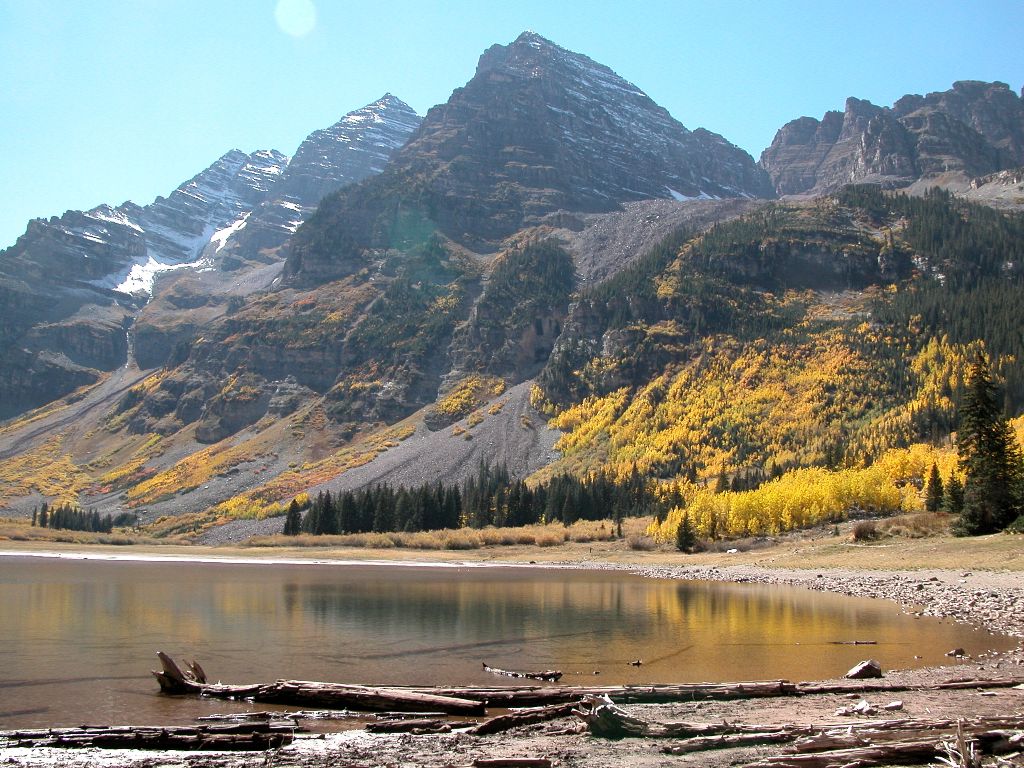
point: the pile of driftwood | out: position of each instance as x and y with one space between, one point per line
235 736
818 746
879 742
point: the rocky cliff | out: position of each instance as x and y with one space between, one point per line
971 130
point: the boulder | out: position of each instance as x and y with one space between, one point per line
865 670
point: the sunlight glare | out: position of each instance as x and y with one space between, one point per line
295 17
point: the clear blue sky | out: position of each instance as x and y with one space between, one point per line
105 100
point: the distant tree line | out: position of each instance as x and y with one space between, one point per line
72 518
490 497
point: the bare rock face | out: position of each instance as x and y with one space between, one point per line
538 129
971 130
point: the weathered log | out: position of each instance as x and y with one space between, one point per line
337 695
863 734
235 736
880 687
417 726
522 717
551 675
626 694
727 741
862 757
853 642
317 694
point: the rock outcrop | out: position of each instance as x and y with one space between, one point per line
971 130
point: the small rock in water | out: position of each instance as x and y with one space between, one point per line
864 670
893 706
956 652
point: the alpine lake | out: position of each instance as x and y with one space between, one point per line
79 636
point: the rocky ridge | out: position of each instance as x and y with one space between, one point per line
357 146
971 130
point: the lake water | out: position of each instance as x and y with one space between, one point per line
78 637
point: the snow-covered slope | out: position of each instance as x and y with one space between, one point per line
356 147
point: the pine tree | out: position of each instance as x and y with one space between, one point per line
934 495
685 537
953 502
989 457
293 519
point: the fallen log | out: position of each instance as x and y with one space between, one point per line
843 687
316 694
420 726
862 757
233 737
535 696
522 717
727 741
551 675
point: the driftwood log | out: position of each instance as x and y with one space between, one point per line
551 675
522 717
413 725
315 694
236 736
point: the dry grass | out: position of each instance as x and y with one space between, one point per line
642 544
21 530
916 526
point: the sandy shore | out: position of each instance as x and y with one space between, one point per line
993 599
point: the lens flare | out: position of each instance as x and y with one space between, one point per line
295 17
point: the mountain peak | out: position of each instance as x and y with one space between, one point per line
390 101
531 38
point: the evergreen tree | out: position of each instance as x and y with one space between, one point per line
934 495
989 457
685 537
953 502
293 520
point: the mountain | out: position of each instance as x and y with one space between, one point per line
973 129
537 130
71 287
554 273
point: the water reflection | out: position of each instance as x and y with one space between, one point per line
78 636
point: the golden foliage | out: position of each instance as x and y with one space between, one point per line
468 394
47 470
